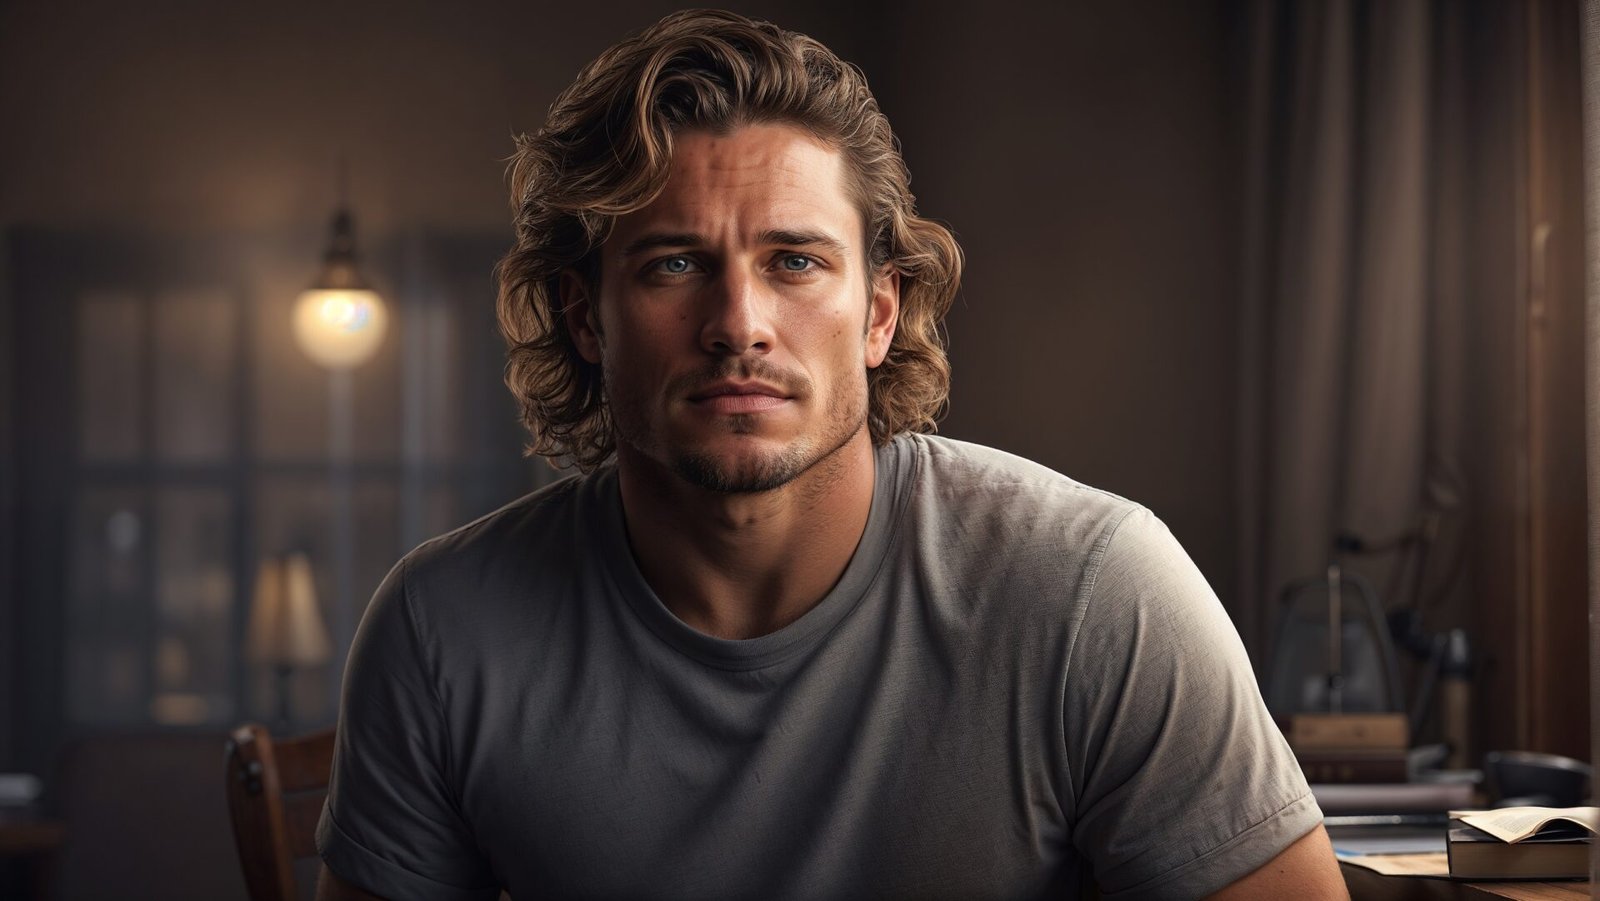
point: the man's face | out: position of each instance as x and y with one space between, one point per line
736 319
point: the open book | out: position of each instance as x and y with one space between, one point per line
1521 842
1513 824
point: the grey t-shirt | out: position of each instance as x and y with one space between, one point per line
1019 683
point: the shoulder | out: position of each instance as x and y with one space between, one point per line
473 580
1024 543
1013 497
974 470
522 527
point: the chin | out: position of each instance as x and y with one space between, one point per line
748 472
744 464
741 454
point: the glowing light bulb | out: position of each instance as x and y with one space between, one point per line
339 328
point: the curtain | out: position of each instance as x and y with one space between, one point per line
1349 395
1379 291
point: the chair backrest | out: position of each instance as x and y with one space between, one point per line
1532 779
275 794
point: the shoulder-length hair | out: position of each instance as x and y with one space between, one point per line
605 150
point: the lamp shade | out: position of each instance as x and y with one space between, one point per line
286 627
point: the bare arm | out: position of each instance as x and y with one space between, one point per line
332 888
1306 869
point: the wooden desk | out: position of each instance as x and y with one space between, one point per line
1366 885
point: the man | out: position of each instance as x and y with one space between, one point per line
776 642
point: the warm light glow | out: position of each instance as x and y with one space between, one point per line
339 328
176 708
286 627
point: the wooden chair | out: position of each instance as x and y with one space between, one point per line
275 794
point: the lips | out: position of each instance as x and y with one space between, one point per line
738 397
723 389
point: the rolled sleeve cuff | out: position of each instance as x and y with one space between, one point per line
365 869
1232 860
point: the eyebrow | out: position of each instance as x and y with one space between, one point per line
790 238
784 236
657 241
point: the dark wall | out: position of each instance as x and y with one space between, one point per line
186 115
1083 155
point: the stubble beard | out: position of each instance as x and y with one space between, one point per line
749 473
769 472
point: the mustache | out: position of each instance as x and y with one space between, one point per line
794 384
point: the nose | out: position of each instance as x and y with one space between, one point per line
738 315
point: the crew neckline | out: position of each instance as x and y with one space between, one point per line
895 464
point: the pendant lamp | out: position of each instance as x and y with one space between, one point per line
340 320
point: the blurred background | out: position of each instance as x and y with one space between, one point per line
1303 278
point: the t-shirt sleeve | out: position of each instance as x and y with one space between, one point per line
391 824
1182 784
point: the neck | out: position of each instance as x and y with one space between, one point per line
745 565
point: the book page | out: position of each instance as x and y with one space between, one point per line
1513 824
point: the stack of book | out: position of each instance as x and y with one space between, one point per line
1343 748
1522 842
1357 766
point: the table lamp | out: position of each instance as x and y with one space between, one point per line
286 628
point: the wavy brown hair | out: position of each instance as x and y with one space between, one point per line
605 150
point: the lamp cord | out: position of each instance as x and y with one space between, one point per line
344 181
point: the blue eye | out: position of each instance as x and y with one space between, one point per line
796 263
675 265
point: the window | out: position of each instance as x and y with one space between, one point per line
197 443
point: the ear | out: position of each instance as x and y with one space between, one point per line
883 313
581 316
